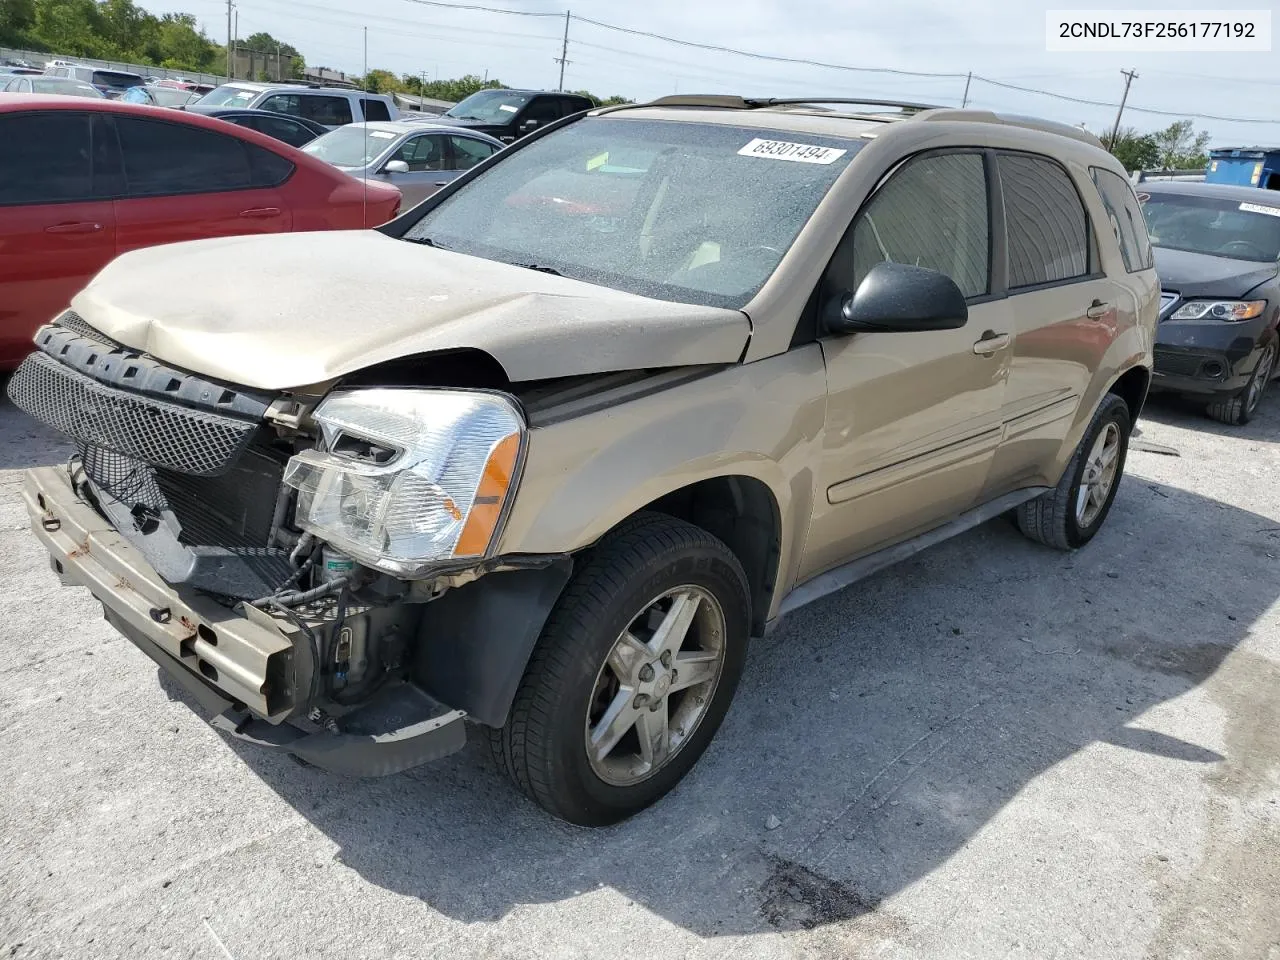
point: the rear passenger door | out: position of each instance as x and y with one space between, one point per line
187 183
913 418
58 173
1064 315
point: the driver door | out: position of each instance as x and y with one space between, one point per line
913 418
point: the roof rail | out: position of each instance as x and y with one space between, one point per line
1013 120
730 102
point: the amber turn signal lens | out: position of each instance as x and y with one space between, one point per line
486 509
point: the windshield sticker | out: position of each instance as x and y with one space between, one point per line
795 152
1259 208
598 161
381 135
507 107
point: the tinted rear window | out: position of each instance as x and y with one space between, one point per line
46 158
116 81
168 158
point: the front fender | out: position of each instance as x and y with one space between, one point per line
764 420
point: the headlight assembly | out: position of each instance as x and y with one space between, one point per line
408 478
1230 311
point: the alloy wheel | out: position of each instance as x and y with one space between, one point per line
1099 475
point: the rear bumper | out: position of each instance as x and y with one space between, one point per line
245 669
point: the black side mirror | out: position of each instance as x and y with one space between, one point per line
527 125
901 297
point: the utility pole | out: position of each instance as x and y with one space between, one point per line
1129 77
564 50
235 41
230 75
969 79
279 75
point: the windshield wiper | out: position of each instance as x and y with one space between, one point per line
533 266
426 242
463 116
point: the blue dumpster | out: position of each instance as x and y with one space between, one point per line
1245 167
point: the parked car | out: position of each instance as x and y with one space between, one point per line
1217 251
509 463
184 84
417 158
58 85
160 96
329 106
112 84
15 70
295 131
82 181
511 114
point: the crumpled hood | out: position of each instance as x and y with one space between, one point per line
297 309
1204 275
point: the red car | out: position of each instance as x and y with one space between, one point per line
82 181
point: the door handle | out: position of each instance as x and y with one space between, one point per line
260 213
442 183
84 226
1097 310
990 343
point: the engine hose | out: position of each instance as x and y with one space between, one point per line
301 547
293 599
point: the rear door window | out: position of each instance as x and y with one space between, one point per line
281 128
374 110
1126 218
1046 222
331 111
543 110
467 152
167 158
267 169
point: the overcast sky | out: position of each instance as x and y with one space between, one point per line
1000 39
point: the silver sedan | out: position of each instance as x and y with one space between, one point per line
416 156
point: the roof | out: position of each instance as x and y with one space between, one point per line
1221 191
837 117
400 127
1217 150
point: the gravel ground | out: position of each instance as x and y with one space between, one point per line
992 750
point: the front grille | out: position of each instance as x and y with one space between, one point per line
143 428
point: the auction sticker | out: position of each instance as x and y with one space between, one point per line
1259 208
795 152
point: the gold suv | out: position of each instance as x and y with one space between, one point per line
542 454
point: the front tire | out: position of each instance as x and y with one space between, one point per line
632 675
1239 410
1069 515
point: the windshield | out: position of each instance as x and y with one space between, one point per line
688 212
228 96
351 146
1241 230
61 85
491 106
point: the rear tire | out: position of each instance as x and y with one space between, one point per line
601 656
1069 515
1239 410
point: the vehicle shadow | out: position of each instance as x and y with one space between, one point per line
25 442
1179 411
882 727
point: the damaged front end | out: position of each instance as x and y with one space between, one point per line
306 566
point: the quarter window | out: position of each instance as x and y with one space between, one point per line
1047 225
166 158
1126 218
375 110
932 213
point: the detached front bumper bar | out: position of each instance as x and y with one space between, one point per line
244 669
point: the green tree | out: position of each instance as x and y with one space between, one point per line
16 18
459 89
1180 147
1136 151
